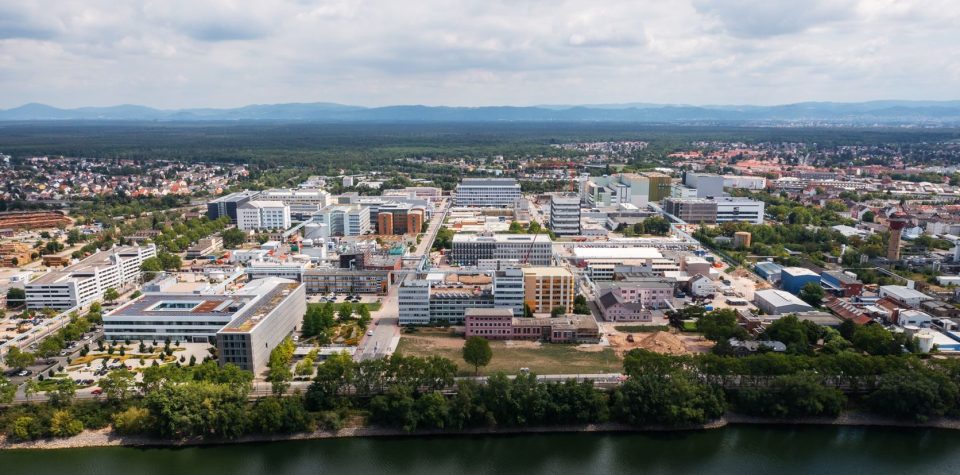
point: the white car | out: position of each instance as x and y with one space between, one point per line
370 333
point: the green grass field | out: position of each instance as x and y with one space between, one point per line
543 359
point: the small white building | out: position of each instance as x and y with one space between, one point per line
904 295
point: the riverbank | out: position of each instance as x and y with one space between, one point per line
107 438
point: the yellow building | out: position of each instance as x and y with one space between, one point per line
659 185
547 287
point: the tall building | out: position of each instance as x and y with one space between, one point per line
345 220
548 287
87 280
565 214
227 205
422 301
258 214
471 249
487 192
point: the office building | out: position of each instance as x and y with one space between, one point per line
730 209
248 339
227 205
346 281
345 220
257 214
261 269
197 316
565 214
692 210
87 280
398 218
422 301
499 324
303 203
470 249
706 184
487 192
546 288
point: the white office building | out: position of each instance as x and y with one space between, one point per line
472 249
730 209
565 214
487 192
86 281
303 203
272 268
255 215
345 220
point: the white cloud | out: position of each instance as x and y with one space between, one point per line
184 53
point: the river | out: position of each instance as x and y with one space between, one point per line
731 450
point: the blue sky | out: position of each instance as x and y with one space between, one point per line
222 53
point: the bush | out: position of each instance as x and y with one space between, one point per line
135 420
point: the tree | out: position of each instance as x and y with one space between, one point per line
812 293
16 297
134 420
580 306
63 393
18 359
868 217
117 385
63 424
30 388
674 399
720 325
791 396
875 340
111 295
345 311
916 394
233 237
527 311
7 390
477 352
557 311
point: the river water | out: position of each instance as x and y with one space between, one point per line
728 451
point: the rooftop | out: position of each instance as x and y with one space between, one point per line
617 253
779 298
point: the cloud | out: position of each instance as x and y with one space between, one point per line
760 18
187 53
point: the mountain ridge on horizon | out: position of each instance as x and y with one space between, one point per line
878 111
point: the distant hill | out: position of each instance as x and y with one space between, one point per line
865 113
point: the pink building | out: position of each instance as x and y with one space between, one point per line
616 309
489 323
652 294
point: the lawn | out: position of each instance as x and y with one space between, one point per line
371 306
509 357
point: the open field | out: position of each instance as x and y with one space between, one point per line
541 358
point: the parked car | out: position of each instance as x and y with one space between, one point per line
25 372
96 392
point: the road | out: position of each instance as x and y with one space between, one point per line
386 320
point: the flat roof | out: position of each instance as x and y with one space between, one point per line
503 238
904 292
547 271
798 271
617 253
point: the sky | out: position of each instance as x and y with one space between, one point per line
224 53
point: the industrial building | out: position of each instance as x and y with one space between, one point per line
779 302
792 279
